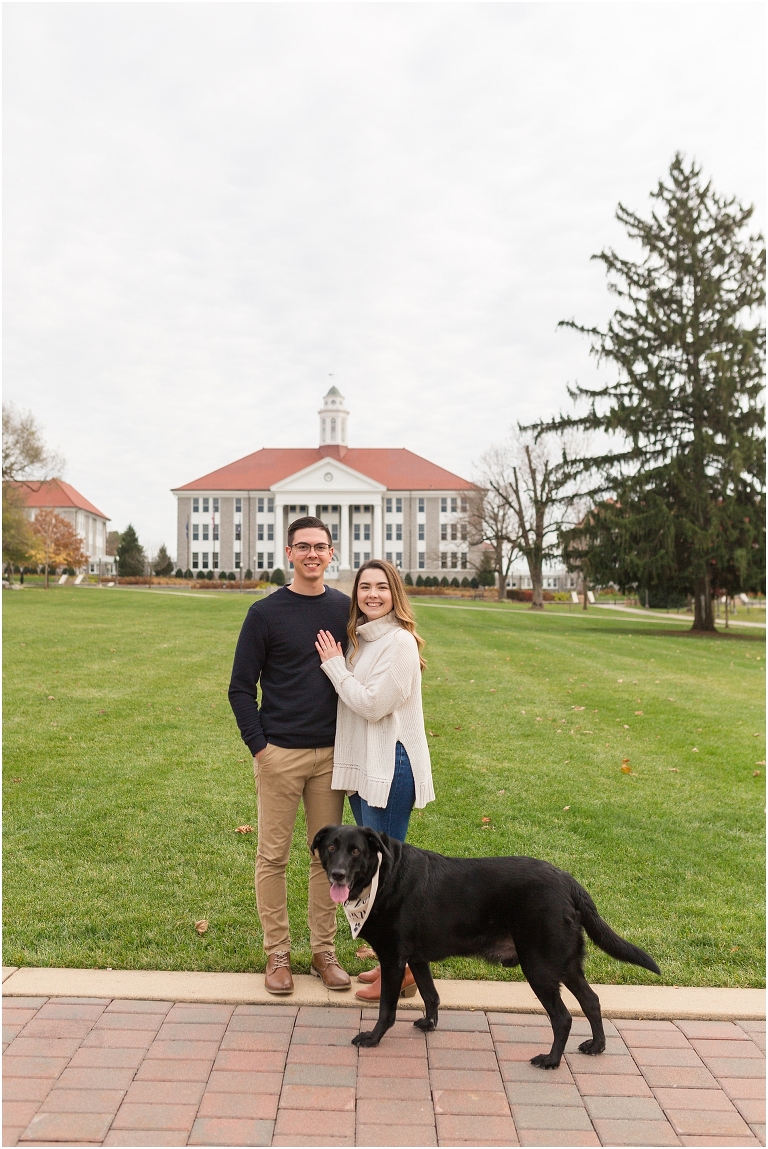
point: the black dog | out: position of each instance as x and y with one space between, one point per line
508 910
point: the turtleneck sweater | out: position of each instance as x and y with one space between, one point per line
379 691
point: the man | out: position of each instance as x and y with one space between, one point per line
291 738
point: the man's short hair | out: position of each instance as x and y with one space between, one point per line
308 522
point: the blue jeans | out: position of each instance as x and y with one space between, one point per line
393 818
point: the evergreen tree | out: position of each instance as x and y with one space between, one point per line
162 564
680 501
130 553
278 577
408 580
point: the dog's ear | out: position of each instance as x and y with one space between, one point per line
379 843
320 837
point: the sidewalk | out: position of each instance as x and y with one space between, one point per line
122 1070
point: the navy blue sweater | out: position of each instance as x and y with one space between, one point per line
277 648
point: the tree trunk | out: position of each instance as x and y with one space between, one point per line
46 576
537 582
703 616
585 592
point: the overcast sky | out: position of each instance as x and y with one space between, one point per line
210 209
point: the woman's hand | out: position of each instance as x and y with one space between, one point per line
327 647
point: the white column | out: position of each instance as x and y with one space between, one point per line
280 557
344 537
377 551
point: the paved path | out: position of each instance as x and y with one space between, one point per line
131 1072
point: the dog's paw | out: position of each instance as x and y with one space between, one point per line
592 1047
545 1061
366 1040
427 1024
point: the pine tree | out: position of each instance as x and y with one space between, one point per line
130 553
680 502
162 564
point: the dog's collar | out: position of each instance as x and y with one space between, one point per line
358 909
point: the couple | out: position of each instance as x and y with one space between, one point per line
327 725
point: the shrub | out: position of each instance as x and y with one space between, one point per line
223 575
188 574
487 578
465 581
408 580
232 576
444 581
209 576
248 575
278 576
474 583
455 581
419 580
179 573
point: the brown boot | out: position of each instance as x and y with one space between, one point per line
372 992
326 966
277 978
369 976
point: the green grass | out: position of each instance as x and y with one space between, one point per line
125 779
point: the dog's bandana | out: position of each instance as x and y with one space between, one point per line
357 911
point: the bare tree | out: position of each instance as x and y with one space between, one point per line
25 455
491 519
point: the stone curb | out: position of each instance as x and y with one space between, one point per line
631 1001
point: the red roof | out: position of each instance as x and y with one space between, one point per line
394 467
56 493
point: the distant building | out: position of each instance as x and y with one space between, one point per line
89 522
378 502
556 577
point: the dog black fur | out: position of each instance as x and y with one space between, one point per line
508 910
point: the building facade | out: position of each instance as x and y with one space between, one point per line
89 522
378 503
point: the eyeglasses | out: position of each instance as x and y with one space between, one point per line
305 548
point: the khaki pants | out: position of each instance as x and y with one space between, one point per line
283 778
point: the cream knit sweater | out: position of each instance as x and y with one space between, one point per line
379 705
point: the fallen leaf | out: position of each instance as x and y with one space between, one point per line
638 712
673 770
733 949
491 691
501 791
626 769
755 774
201 926
619 679
50 699
539 719
21 779
625 726
577 708
566 807
695 750
589 732
244 830
485 819
365 953
755 735
457 728
761 762
432 734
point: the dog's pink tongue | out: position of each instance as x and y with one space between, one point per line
339 893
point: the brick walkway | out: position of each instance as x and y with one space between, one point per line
92 1071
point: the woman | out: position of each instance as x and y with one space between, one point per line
381 757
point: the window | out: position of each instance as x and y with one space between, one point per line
215 506
260 561
260 505
215 532
195 506
205 532
388 556
195 533
366 556
465 505
422 506
238 506
443 532
238 531
367 532
195 560
399 560
454 532
454 505
204 563
399 532
399 506
270 560
422 532
270 532
389 532
388 506
333 437
270 506
237 560
444 506
454 560
215 563
444 561
260 532
205 506
356 560
422 561
356 532
335 532
464 558
464 532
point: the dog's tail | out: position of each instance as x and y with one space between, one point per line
602 934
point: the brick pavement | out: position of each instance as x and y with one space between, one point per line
126 1072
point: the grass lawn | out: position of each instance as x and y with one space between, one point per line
124 780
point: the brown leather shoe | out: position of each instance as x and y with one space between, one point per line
326 966
372 991
277 978
369 976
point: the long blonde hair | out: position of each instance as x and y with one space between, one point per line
400 606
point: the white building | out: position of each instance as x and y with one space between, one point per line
378 502
89 522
